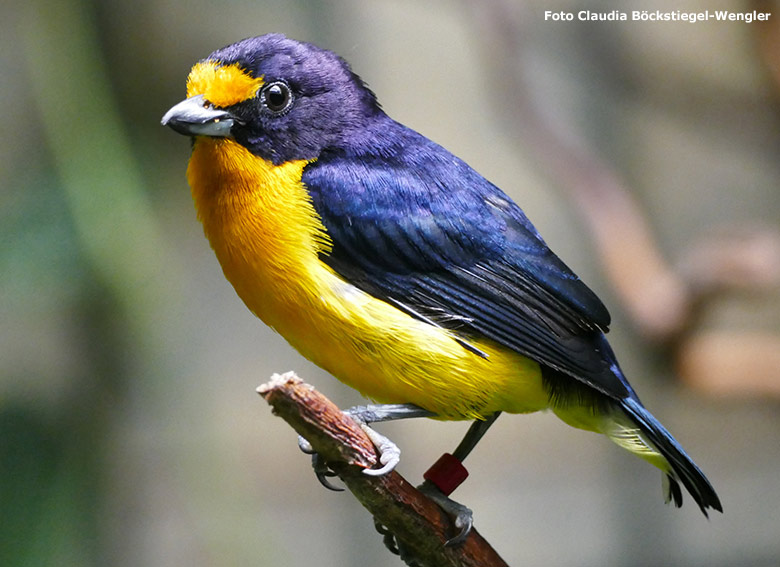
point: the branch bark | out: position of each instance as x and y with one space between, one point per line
420 528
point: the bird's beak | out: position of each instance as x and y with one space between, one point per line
194 117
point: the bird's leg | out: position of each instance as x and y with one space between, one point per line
448 473
389 453
473 435
440 480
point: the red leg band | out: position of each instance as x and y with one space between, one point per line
446 474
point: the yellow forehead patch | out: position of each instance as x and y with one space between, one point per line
222 86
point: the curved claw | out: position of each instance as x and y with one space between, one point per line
387 538
305 446
389 453
392 544
462 516
464 521
321 470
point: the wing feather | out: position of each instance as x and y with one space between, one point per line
421 229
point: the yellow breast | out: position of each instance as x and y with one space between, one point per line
267 236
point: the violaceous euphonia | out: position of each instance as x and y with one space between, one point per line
392 264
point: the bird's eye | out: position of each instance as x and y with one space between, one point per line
277 97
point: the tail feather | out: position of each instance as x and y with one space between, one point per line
681 468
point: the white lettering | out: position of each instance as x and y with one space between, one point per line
558 16
747 17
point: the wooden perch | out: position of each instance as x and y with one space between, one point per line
419 526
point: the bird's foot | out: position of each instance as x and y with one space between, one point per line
321 469
389 453
388 538
395 546
462 517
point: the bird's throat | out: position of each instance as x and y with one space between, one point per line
259 220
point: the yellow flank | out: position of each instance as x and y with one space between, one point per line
615 425
627 435
222 85
266 234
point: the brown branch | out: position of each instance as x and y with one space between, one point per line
419 526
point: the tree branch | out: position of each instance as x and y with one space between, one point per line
419 527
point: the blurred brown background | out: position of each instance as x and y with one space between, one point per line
646 153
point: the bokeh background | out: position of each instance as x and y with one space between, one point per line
130 432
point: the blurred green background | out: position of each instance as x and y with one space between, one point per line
130 433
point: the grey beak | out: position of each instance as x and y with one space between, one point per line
192 117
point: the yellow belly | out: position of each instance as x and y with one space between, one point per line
267 237
394 358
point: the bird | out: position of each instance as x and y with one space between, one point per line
392 264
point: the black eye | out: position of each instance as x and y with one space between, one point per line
277 97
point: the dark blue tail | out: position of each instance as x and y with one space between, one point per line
683 469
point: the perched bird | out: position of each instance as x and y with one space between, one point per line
391 263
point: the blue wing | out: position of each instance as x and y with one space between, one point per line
415 226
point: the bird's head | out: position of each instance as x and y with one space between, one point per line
281 99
